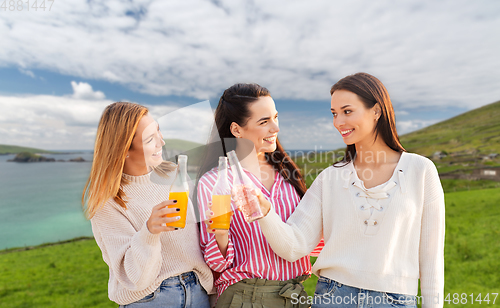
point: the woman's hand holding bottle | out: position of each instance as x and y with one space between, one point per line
264 204
243 191
221 235
209 222
158 219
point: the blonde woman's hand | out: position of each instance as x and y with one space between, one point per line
158 220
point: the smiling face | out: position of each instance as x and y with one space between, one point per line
146 149
352 119
262 127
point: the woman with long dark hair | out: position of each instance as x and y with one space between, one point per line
380 210
250 272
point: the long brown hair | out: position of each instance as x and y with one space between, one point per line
115 133
371 92
234 107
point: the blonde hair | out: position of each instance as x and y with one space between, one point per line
115 133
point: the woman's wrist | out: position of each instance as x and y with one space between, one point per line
222 239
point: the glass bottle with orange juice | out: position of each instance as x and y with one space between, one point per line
221 198
179 191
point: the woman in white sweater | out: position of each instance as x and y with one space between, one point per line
126 197
380 210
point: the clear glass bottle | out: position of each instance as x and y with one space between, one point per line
179 190
221 198
243 189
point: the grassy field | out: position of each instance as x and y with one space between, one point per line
74 275
66 275
462 185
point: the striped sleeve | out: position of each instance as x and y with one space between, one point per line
214 258
318 249
211 252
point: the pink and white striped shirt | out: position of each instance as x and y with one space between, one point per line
248 254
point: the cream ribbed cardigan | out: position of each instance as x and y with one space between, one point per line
406 242
139 260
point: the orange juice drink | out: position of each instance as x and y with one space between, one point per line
221 206
182 203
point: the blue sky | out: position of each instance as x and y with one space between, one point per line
60 68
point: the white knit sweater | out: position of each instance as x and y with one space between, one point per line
139 260
383 238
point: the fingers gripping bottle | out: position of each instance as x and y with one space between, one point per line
179 191
243 188
221 198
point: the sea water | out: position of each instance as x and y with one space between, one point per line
41 202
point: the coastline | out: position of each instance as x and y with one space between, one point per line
25 248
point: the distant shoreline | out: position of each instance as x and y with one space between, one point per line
17 249
26 157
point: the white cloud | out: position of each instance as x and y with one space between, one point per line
191 123
49 122
408 126
27 72
432 53
66 122
83 90
308 133
427 53
70 122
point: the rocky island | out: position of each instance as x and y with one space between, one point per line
26 157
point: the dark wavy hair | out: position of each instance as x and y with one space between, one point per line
234 107
371 92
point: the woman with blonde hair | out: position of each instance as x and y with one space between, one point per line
126 200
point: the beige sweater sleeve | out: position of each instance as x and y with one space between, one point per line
431 255
133 256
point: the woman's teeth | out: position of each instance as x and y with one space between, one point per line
157 153
345 132
270 139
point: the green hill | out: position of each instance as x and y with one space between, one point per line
180 144
467 141
14 149
192 149
473 132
